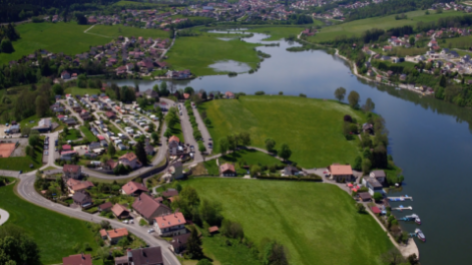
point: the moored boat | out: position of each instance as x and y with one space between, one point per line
412 217
420 235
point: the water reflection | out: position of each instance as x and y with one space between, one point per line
230 66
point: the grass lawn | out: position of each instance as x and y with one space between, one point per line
197 53
23 162
82 91
249 157
73 135
311 127
357 27
68 38
237 254
55 234
462 42
29 122
88 134
324 229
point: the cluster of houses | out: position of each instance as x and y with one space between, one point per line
129 17
452 6
141 256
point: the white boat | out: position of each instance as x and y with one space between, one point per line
420 235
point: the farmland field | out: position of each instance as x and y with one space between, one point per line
324 229
357 27
311 127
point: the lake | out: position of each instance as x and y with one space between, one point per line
429 139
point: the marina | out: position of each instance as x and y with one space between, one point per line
413 217
401 208
400 198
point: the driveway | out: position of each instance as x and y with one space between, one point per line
188 133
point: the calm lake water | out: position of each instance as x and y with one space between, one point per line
430 140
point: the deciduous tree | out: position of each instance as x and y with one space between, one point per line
340 93
270 145
353 99
285 152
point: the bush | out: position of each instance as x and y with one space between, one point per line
360 208
143 222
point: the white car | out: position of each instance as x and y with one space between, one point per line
150 230
125 221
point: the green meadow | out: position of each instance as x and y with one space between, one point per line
311 127
69 38
197 53
357 27
318 223
54 233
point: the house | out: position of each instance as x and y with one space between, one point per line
72 171
368 128
175 149
117 234
82 198
75 185
141 256
130 160
291 171
105 207
340 173
213 230
65 75
179 243
170 225
227 170
149 149
68 155
78 259
110 115
151 94
364 197
133 188
379 175
378 78
372 184
170 193
44 125
120 211
176 170
148 208
402 77
229 95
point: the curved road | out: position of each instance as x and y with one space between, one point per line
4 215
27 191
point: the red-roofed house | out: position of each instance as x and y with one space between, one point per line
78 259
149 208
170 225
229 95
66 147
75 185
227 170
120 211
116 234
130 159
133 188
71 171
340 172
174 146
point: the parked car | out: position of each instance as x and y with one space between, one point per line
150 230
125 221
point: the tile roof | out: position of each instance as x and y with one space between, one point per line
117 232
170 220
144 256
106 205
340 170
174 138
132 187
227 167
70 168
78 259
129 156
146 205
118 209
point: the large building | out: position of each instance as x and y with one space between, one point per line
170 225
149 208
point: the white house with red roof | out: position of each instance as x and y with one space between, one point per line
170 225
133 188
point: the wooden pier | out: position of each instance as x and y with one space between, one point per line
403 208
400 198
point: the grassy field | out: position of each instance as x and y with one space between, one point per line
68 38
249 157
23 162
88 134
357 27
197 53
236 254
324 229
55 234
73 134
311 127
82 91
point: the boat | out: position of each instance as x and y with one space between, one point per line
401 208
420 235
413 217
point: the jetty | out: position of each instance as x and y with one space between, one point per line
400 198
401 208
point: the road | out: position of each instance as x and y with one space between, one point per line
52 149
27 191
4 215
72 112
187 131
203 130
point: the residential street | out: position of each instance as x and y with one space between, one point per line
203 129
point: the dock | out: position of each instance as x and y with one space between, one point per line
400 198
401 208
